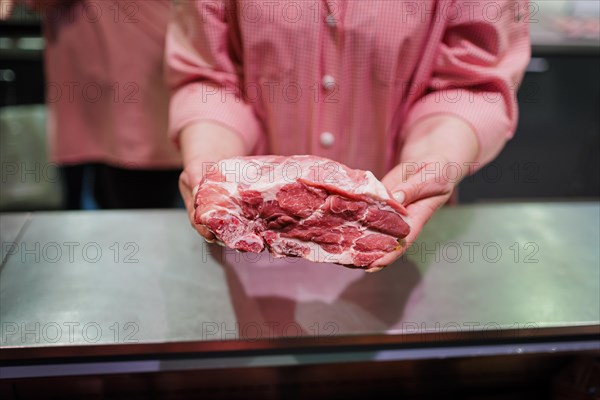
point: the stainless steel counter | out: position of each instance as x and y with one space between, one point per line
141 286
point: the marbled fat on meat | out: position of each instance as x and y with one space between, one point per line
302 206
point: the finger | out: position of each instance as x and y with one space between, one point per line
421 212
185 191
399 175
411 181
389 258
206 234
189 196
416 188
384 261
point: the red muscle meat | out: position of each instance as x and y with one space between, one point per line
304 206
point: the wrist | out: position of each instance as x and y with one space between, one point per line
444 139
209 141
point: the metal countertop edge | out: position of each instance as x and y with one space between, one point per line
282 360
323 344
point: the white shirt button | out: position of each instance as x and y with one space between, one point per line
327 139
330 20
328 82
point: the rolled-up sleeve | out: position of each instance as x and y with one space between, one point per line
477 70
202 71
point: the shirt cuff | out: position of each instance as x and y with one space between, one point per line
197 102
485 112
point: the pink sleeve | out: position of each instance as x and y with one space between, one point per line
478 67
202 71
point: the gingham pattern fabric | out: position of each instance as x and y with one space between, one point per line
346 79
105 89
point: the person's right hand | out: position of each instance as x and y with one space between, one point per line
202 144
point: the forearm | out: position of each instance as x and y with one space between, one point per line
441 137
209 142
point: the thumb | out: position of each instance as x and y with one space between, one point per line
420 186
397 179
416 189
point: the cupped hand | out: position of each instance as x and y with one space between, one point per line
202 145
188 186
422 187
438 151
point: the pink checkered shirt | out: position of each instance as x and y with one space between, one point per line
346 79
105 88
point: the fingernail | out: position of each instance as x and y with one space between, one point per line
399 196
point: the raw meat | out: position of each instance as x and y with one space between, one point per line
303 206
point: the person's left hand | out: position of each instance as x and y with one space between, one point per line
437 153
422 187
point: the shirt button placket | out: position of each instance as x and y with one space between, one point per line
327 140
330 20
328 82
